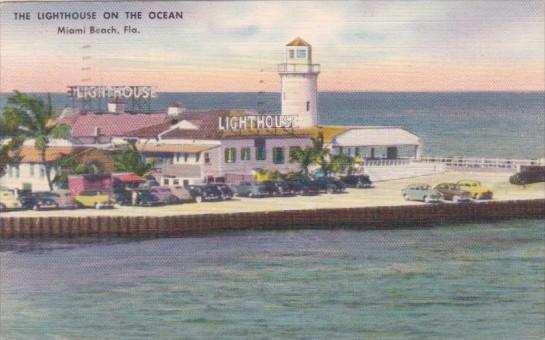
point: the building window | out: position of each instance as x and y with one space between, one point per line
16 168
42 171
245 154
175 181
278 155
357 151
308 106
31 169
197 157
292 54
230 155
206 158
177 158
301 53
165 181
186 156
260 153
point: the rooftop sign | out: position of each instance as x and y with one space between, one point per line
256 122
92 92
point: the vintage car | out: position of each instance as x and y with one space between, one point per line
271 188
202 193
421 192
164 194
9 199
330 185
304 187
451 192
357 181
60 199
474 189
252 190
146 199
182 193
94 199
528 174
226 191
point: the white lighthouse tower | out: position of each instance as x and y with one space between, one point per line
299 77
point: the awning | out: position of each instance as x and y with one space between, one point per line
128 177
173 148
379 136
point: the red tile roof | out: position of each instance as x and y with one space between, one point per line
112 124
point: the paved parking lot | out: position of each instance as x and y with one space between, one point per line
383 194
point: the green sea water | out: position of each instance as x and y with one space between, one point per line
470 281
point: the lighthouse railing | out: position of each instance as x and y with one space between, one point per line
308 68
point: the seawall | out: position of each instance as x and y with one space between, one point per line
360 218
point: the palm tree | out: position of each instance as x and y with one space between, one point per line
130 160
322 155
30 117
70 165
342 163
305 157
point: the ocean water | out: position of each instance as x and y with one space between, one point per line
487 124
471 281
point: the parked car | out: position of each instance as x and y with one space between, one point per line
452 192
202 193
528 174
182 193
330 185
284 188
148 184
357 181
475 189
94 199
304 187
226 192
146 199
28 199
164 194
60 199
270 187
252 190
9 199
122 197
421 192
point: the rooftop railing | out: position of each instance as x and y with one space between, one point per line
299 68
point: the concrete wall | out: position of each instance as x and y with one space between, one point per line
360 218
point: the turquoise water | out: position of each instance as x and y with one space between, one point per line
479 124
472 281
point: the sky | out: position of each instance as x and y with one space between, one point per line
235 46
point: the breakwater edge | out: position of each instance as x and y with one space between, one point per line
179 225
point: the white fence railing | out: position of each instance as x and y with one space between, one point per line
480 163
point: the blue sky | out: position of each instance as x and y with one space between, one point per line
223 46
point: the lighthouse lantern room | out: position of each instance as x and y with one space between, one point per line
299 78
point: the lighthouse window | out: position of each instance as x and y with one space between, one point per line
292 54
301 53
308 106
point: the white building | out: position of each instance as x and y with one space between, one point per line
299 79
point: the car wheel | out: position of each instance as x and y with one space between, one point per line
251 195
476 196
455 198
406 197
97 206
2 206
198 199
36 207
427 199
330 190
